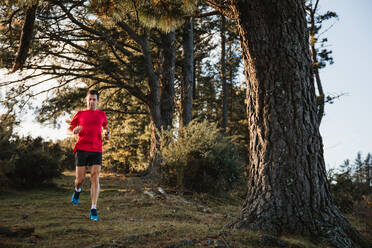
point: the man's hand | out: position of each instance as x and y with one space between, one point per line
106 133
77 129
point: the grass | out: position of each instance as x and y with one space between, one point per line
128 218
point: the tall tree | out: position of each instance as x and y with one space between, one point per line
223 73
358 170
134 54
206 76
188 72
368 171
287 186
168 64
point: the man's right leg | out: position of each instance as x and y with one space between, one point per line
80 176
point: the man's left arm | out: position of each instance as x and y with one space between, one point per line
106 131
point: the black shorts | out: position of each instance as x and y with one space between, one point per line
87 158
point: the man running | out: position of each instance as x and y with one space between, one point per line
88 125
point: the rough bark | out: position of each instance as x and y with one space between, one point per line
156 124
26 37
154 157
288 190
161 97
168 64
154 100
188 73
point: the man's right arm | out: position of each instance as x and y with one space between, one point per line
74 127
72 131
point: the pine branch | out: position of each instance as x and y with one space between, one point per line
93 31
60 55
222 7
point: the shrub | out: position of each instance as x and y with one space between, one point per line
32 168
199 158
4 181
346 190
128 149
67 161
31 162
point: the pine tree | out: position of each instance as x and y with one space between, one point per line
111 50
187 81
368 171
358 168
287 186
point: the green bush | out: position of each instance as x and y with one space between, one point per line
32 168
67 160
30 162
4 181
345 187
200 158
128 149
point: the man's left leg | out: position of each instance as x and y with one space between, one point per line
94 190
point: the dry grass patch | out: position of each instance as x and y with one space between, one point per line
128 217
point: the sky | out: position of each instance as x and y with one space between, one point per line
346 126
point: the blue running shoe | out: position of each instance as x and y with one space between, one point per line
76 197
93 214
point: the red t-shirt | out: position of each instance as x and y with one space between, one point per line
90 138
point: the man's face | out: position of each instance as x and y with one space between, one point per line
92 102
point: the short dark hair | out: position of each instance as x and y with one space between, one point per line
93 92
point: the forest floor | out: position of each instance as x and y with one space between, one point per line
132 214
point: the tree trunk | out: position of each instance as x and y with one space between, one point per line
161 97
288 191
231 83
223 73
156 124
188 73
26 37
153 102
168 65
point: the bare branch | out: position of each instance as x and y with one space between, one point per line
23 79
206 14
331 26
55 87
132 34
316 6
120 59
60 55
125 112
